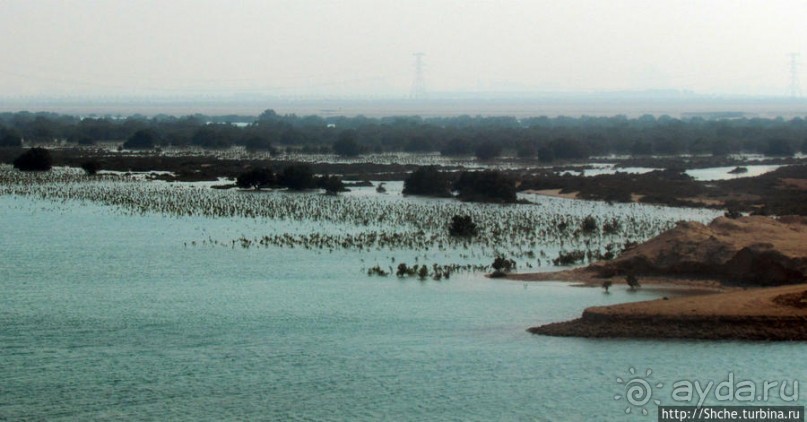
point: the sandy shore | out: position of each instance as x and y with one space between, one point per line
556 193
590 278
749 251
773 314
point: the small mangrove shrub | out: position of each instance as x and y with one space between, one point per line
462 226
569 258
633 282
501 266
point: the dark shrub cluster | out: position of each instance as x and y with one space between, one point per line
297 177
91 167
462 226
256 179
331 184
486 186
293 177
427 181
479 186
501 266
35 159
569 258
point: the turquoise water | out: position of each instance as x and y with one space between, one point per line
723 173
105 315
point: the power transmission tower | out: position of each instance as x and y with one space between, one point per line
795 89
419 83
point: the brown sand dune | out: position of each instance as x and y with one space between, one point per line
758 251
750 251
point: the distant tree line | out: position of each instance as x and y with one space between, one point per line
544 138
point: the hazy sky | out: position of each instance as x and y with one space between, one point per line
365 47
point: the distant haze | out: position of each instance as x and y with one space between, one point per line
355 48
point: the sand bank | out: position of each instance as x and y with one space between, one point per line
774 314
749 252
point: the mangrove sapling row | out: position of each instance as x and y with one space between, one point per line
528 233
566 258
435 272
438 272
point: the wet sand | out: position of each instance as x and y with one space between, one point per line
590 277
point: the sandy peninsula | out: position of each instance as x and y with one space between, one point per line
758 263
776 313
